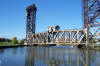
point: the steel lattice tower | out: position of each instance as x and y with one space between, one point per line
31 19
91 17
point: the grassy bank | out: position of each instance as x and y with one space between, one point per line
12 42
8 44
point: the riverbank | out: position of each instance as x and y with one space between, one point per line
9 45
5 43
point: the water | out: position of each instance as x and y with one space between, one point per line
49 56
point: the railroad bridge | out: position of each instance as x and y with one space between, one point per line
91 27
60 37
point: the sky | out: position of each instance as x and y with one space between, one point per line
65 13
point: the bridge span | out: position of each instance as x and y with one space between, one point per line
60 37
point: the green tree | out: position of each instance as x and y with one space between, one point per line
14 41
21 42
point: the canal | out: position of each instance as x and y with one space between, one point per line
49 56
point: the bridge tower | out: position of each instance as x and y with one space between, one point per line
31 21
91 18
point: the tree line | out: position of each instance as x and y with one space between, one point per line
13 41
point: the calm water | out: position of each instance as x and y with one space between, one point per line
48 56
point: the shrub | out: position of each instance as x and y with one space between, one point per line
14 41
21 42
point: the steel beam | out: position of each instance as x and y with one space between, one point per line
91 15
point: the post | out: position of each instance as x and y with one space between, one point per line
87 36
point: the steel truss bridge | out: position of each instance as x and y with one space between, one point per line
71 37
91 27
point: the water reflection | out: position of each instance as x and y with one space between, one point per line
12 56
47 56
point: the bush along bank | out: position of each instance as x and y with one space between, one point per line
12 42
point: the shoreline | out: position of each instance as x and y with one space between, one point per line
12 46
16 46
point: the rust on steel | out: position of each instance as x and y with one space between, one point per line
31 21
60 37
91 18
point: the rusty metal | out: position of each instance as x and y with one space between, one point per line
91 17
65 37
91 13
31 19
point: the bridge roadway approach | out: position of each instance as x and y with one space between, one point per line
60 37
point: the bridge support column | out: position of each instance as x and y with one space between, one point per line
87 36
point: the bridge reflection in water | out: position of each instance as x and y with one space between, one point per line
53 56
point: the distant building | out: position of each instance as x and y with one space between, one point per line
53 28
2 39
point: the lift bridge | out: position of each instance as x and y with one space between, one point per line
91 27
59 37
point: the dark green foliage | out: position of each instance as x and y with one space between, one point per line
21 42
5 40
14 41
92 40
8 40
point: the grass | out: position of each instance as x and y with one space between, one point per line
6 44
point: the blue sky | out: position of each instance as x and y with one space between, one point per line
65 13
